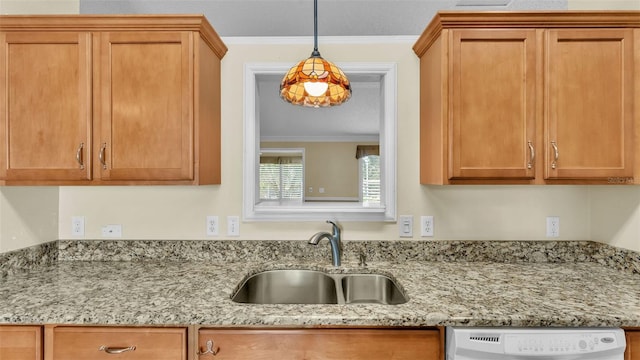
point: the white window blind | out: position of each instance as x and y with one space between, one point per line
370 179
281 178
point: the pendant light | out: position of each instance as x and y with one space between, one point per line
315 82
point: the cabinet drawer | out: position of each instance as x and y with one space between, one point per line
64 343
21 342
319 344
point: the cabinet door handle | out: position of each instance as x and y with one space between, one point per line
116 350
556 155
211 349
101 155
532 155
79 157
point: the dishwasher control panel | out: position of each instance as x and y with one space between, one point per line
540 343
469 343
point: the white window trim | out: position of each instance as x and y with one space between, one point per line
252 211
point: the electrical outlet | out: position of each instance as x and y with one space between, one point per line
553 226
233 225
426 225
77 225
405 225
212 225
112 231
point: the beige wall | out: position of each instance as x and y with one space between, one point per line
18 7
604 5
28 216
328 165
461 212
474 212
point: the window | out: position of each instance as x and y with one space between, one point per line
370 180
281 175
253 209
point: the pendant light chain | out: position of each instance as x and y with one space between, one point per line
315 29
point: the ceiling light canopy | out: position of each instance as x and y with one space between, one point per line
315 82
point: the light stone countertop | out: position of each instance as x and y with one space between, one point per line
440 293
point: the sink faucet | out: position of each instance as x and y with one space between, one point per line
334 240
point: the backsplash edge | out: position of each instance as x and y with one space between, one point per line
299 251
27 258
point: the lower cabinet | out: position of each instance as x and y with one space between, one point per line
633 345
25 342
20 342
80 342
319 344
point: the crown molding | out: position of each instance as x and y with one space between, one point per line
306 40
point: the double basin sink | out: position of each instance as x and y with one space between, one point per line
294 286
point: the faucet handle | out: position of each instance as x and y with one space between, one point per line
336 228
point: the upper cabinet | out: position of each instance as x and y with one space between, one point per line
45 116
588 97
528 98
493 83
109 100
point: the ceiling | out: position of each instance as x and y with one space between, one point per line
358 118
295 17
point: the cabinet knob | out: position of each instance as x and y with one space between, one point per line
211 349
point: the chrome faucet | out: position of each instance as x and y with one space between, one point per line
334 240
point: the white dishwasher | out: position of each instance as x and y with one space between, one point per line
469 343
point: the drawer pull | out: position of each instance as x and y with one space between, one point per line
532 155
116 350
101 155
211 349
79 157
556 154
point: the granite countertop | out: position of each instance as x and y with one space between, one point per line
197 291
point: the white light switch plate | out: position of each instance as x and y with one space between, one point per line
233 225
405 225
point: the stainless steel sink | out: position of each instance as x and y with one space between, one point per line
288 287
294 286
371 288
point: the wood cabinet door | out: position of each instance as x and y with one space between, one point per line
146 99
633 345
45 106
20 342
320 344
589 104
66 343
492 111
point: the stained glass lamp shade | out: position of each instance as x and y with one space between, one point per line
315 82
